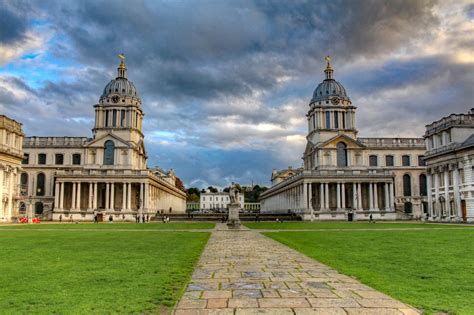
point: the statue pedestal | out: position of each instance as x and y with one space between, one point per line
233 222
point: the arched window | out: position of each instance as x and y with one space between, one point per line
24 184
39 208
109 149
40 179
373 160
341 154
408 207
406 185
423 189
405 160
76 159
389 160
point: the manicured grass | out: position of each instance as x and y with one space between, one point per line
99 272
114 226
345 225
429 269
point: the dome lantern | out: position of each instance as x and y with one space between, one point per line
122 69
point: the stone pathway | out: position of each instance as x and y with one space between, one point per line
244 272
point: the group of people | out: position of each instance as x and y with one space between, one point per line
165 219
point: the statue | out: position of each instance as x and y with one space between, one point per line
234 194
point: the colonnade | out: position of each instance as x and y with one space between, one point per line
324 196
444 198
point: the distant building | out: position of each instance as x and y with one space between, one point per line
217 201
450 162
11 139
345 177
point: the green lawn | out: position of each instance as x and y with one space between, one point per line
99 272
345 225
114 226
429 269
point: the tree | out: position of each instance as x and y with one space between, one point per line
193 194
212 189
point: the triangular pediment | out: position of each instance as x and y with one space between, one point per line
99 142
350 142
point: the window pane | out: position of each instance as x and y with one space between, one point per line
373 160
389 160
42 158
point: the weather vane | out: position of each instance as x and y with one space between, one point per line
121 56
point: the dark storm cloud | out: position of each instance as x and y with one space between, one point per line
13 21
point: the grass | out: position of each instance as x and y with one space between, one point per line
113 226
344 225
429 269
98 272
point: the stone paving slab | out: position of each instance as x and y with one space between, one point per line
244 272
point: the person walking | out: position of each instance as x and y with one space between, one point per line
60 218
370 219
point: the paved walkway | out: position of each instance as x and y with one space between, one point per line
244 272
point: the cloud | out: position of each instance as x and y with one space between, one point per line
226 85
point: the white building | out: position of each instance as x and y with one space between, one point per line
217 201
345 177
450 161
11 138
107 174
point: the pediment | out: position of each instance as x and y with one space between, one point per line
99 142
350 142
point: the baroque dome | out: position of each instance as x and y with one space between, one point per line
120 87
329 88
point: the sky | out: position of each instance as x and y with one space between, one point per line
225 85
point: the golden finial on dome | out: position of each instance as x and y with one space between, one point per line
122 68
328 70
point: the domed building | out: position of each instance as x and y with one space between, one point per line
79 178
345 177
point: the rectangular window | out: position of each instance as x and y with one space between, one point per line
406 160
122 119
114 118
343 121
106 118
328 120
373 160
42 159
336 120
76 159
389 160
59 159
421 160
26 159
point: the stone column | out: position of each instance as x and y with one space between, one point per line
129 197
429 179
147 196
56 195
371 197
73 201
142 189
446 193
376 197
457 195
392 196
326 197
437 205
304 201
95 197
124 196
310 196
112 196
10 196
354 196
89 203
387 201
61 197
78 202
107 196
321 196
338 196
343 196
359 196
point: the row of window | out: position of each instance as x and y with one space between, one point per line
217 198
389 160
109 149
58 159
40 184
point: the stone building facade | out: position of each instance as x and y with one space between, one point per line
11 138
79 177
217 201
345 177
450 163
